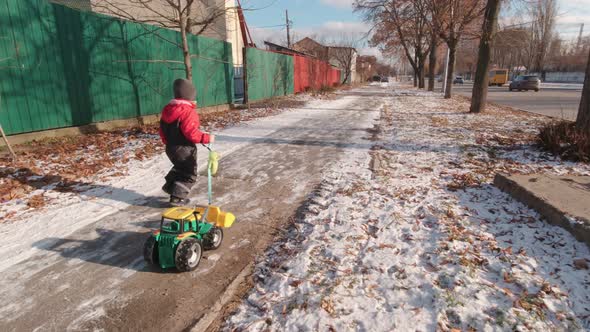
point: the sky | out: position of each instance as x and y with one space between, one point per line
571 14
328 19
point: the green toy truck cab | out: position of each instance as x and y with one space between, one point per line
182 236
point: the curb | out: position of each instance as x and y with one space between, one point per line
553 215
208 320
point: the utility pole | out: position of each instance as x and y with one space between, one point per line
579 45
288 26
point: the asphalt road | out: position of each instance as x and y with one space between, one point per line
560 101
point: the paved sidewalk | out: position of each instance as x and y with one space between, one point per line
80 266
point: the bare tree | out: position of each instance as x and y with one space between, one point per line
434 42
543 14
583 120
480 85
343 54
453 19
399 24
423 9
366 67
505 53
186 16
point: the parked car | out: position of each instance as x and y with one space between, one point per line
458 80
525 82
375 78
385 79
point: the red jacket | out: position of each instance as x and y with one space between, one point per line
182 113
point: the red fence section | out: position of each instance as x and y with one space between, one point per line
313 74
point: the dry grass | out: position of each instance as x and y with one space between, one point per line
564 139
324 90
439 121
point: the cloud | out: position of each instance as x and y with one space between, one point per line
338 27
338 3
570 15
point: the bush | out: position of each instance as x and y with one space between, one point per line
565 140
323 90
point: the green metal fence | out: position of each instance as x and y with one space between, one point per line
60 67
268 74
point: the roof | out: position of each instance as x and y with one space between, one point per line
308 39
321 45
281 48
354 49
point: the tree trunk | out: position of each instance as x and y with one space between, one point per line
188 66
432 63
480 84
451 70
416 69
421 73
346 76
583 120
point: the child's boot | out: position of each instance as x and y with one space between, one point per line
167 188
177 201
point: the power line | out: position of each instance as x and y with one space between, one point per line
270 26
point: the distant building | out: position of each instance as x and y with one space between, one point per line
343 57
366 67
234 34
282 49
310 46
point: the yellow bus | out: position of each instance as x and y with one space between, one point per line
498 77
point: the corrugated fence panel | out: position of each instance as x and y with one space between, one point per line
212 71
32 84
301 73
334 77
156 63
314 74
60 67
268 74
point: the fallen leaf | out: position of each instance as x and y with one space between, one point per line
327 305
36 201
508 277
581 264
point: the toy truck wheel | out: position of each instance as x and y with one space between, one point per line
212 240
188 254
150 251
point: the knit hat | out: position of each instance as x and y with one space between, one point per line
184 89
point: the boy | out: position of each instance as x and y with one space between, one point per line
179 130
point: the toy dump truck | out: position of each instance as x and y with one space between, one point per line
183 235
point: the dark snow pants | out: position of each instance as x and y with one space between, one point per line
183 175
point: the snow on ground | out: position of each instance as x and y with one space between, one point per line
52 172
411 235
69 211
569 86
